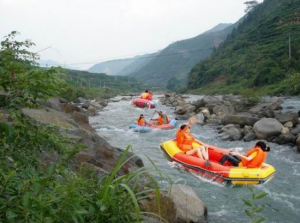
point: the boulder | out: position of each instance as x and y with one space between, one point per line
200 118
249 137
189 207
167 207
239 119
284 118
98 152
189 108
298 143
210 100
296 130
80 100
267 127
180 206
285 139
257 109
230 133
205 112
223 110
180 110
288 125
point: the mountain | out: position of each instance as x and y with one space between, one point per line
138 63
172 64
257 52
52 63
111 67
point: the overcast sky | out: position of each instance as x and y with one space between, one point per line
84 32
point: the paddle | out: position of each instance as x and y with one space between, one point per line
152 115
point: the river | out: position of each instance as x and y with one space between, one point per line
225 204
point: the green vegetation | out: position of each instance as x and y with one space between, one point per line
253 208
256 54
91 85
35 191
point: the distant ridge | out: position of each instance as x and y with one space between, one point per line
172 64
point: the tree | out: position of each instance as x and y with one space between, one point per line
20 77
250 5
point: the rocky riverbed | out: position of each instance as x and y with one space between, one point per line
237 119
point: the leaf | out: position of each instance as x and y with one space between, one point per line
248 202
11 215
261 219
74 217
258 209
26 200
6 129
249 213
260 195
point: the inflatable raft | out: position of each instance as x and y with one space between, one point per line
226 173
137 128
143 103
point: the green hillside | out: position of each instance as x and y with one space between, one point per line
256 54
174 62
111 67
85 84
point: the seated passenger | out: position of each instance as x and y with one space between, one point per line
145 95
141 121
187 143
253 159
150 96
162 118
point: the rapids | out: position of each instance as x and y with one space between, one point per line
225 204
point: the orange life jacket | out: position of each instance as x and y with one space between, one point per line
184 140
257 161
144 95
160 120
140 121
149 97
163 119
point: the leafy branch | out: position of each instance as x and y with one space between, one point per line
253 208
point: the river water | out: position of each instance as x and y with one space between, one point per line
225 204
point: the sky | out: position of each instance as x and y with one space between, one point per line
81 33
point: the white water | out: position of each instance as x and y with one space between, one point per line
225 204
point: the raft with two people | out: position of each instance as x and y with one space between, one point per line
226 173
162 122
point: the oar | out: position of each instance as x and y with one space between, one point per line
152 115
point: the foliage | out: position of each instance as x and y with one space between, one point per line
32 190
253 208
250 5
55 194
91 85
256 53
22 82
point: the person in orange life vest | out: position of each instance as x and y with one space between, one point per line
141 121
150 96
187 143
162 118
145 95
254 157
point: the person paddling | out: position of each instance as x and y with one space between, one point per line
141 121
161 119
